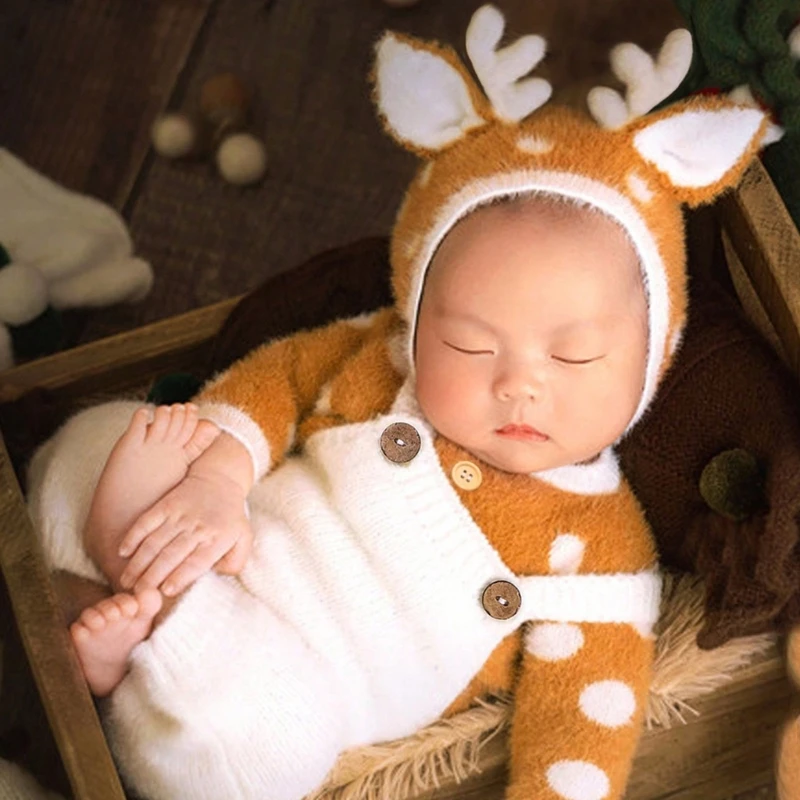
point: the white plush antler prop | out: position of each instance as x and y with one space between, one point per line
499 70
649 81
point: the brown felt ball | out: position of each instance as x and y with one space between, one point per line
225 101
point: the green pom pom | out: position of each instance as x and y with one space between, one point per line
39 337
5 258
732 484
180 387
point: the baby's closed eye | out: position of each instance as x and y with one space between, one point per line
472 351
577 361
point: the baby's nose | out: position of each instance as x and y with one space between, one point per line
518 382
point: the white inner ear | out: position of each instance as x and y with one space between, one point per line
424 99
696 148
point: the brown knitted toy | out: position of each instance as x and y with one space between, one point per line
729 406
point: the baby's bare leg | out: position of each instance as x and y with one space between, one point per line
150 458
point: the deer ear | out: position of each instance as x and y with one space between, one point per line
424 94
701 146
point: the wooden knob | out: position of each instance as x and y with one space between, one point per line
225 101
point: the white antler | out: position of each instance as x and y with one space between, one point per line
649 81
499 71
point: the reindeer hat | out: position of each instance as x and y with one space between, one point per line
636 169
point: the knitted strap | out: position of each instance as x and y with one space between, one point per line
631 598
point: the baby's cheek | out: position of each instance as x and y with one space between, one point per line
447 395
608 405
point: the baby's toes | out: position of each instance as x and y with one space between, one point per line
126 604
109 609
176 423
92 619
157 430
204 435
189 421
79 632
149 602
137 427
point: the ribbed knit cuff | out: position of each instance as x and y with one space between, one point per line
244 429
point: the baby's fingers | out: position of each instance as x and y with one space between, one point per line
168 559
232 563
147 552
200 561
150 521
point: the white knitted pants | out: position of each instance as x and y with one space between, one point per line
196 716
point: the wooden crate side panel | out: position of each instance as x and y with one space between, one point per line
44 635
767 244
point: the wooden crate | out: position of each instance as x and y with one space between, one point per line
727 749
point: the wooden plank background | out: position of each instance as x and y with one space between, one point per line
82 82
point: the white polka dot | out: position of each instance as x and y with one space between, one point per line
536 145
554 641
674 341
566 554
362 320
397 347
425 174
412 245
323 405
609 703
639 188
578 780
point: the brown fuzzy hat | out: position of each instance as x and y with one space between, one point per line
478 147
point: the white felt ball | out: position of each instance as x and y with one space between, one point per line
174 135
242 159
23 294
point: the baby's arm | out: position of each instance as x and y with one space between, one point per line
578 710
257 404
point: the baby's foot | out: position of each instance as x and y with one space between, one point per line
106 633
150 458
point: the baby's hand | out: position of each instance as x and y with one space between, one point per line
201 524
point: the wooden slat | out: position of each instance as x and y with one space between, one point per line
82 81
58 675
121 361
768 245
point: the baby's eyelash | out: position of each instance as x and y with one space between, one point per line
470 352
576 360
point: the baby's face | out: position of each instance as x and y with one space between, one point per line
531 341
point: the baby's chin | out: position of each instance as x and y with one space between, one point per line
522 460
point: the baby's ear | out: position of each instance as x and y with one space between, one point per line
700 146
424 94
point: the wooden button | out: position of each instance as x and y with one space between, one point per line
501 600
400 442
466 475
